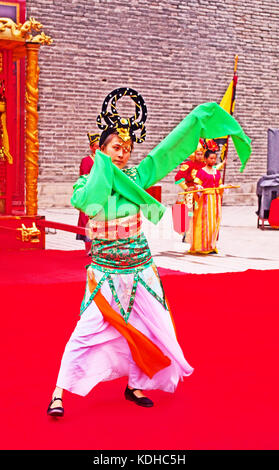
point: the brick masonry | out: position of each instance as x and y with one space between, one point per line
177 54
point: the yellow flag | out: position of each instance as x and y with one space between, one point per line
228 101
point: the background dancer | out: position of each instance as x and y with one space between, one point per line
186 175
85 168
185 178
207 211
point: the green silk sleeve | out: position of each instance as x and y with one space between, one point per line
110 190
91 191
208 121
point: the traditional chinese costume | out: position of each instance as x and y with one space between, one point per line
126 327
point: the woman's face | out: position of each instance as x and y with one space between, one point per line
118 150
211 159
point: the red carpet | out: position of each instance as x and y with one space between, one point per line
227 326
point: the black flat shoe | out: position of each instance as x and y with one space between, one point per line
56 411
143 401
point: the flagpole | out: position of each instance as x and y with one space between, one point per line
235 77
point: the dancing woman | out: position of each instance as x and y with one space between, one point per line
126 327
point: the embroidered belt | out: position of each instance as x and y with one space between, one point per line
116 229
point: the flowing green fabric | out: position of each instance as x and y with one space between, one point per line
208 121
108 193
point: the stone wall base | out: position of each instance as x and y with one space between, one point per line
54 195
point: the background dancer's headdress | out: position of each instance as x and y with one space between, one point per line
126 128
209 144
200 148
93 138
203 146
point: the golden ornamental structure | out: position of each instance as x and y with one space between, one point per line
22 40
29 234
18 32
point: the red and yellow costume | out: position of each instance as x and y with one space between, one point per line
84 169
207 213
188 171
185 178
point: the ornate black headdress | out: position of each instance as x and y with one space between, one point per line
125 127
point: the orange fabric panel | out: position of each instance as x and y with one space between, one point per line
146 354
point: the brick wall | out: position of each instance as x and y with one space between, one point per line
176 53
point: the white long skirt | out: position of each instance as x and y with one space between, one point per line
97 352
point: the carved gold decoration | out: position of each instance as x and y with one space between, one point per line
14 36
18 32
32 141
29 234
124 134
4 137
32 96
42 39
5 150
